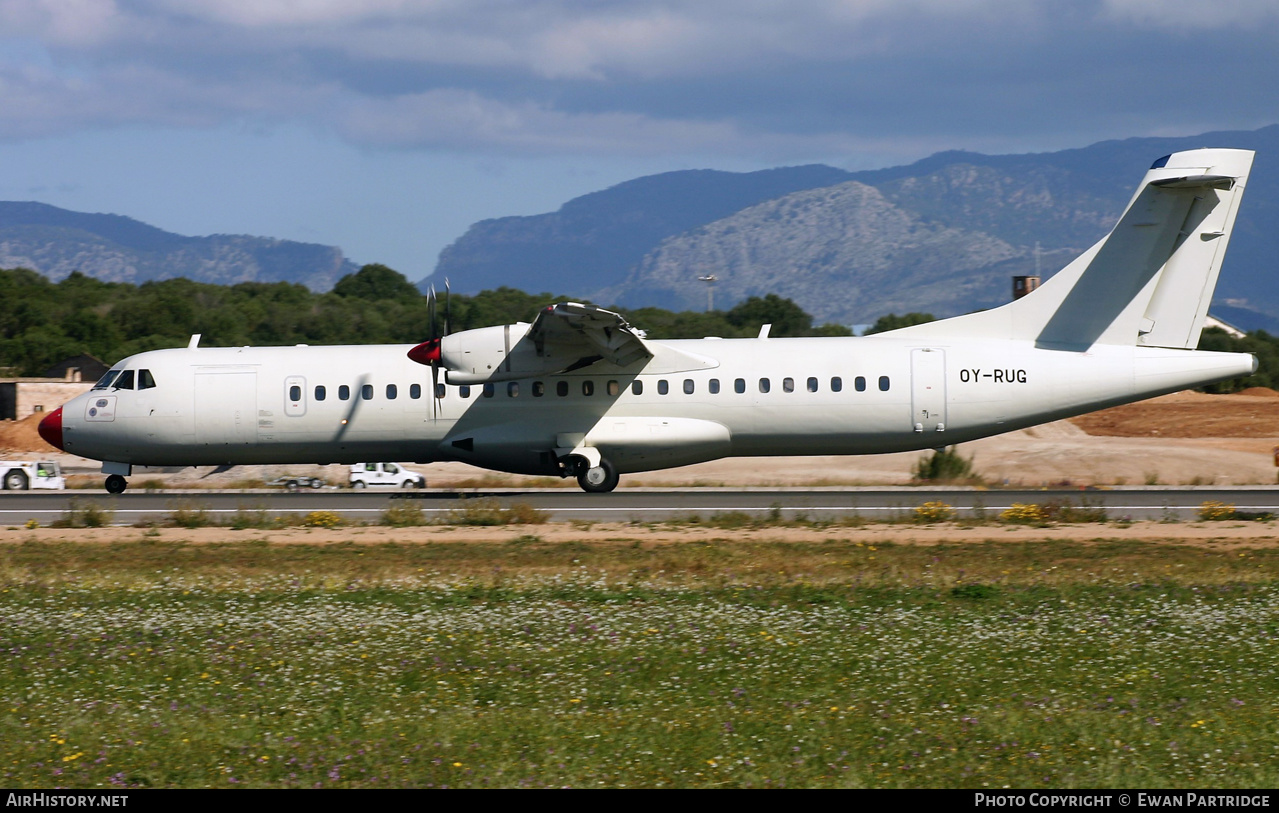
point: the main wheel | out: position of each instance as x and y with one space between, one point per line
291 485
599 479
116 484
15 481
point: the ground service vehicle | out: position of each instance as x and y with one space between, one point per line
20 475
293 483
393 475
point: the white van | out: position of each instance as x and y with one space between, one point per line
394 475
20 475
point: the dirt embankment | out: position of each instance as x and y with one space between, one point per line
24 436
1248 414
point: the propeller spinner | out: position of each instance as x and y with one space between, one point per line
428 352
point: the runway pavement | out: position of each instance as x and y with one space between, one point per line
638 505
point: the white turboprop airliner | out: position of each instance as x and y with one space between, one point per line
579 392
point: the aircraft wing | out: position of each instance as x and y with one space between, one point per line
588 333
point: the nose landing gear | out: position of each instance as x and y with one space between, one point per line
116 484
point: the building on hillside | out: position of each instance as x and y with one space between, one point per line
83 367
23 397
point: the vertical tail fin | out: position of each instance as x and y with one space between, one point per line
1150 281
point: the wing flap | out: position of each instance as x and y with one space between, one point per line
570 329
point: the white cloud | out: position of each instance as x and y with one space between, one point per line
68 23
1191 14
799 78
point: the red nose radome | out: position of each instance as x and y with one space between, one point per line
427 352
51 428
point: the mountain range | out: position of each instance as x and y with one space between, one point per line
56 242
941 235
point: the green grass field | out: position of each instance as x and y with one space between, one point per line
529 663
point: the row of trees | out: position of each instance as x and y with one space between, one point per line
42 323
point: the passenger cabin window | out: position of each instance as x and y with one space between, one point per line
295 393
344 393
539 389
320 392
439 391
788 385
713 386
125 381
488 390
613 388
513 389
836 384
391 392
464 391
688 386
883 383
105 381
415 391
561 388
739 386
588 387
366 392
637 387
146 382
859 383
663 387
812 385
764 385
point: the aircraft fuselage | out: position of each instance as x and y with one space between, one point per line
752 397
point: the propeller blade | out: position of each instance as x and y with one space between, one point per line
448 311
430 308
356 398
435 391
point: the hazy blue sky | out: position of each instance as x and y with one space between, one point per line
388 126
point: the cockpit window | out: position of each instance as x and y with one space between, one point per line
145 380
125 381
106 380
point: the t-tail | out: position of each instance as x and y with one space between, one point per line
1150 281
1147 284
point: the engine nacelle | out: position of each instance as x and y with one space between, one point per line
500 353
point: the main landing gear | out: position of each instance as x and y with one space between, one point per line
599 479
116 484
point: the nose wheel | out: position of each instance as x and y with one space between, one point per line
116 484
599 479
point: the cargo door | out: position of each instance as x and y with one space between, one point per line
928 389
226 407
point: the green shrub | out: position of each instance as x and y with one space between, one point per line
403 514
945 466
976 592
84 515
187 514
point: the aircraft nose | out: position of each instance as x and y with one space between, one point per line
51 428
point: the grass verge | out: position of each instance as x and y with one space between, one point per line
529 663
